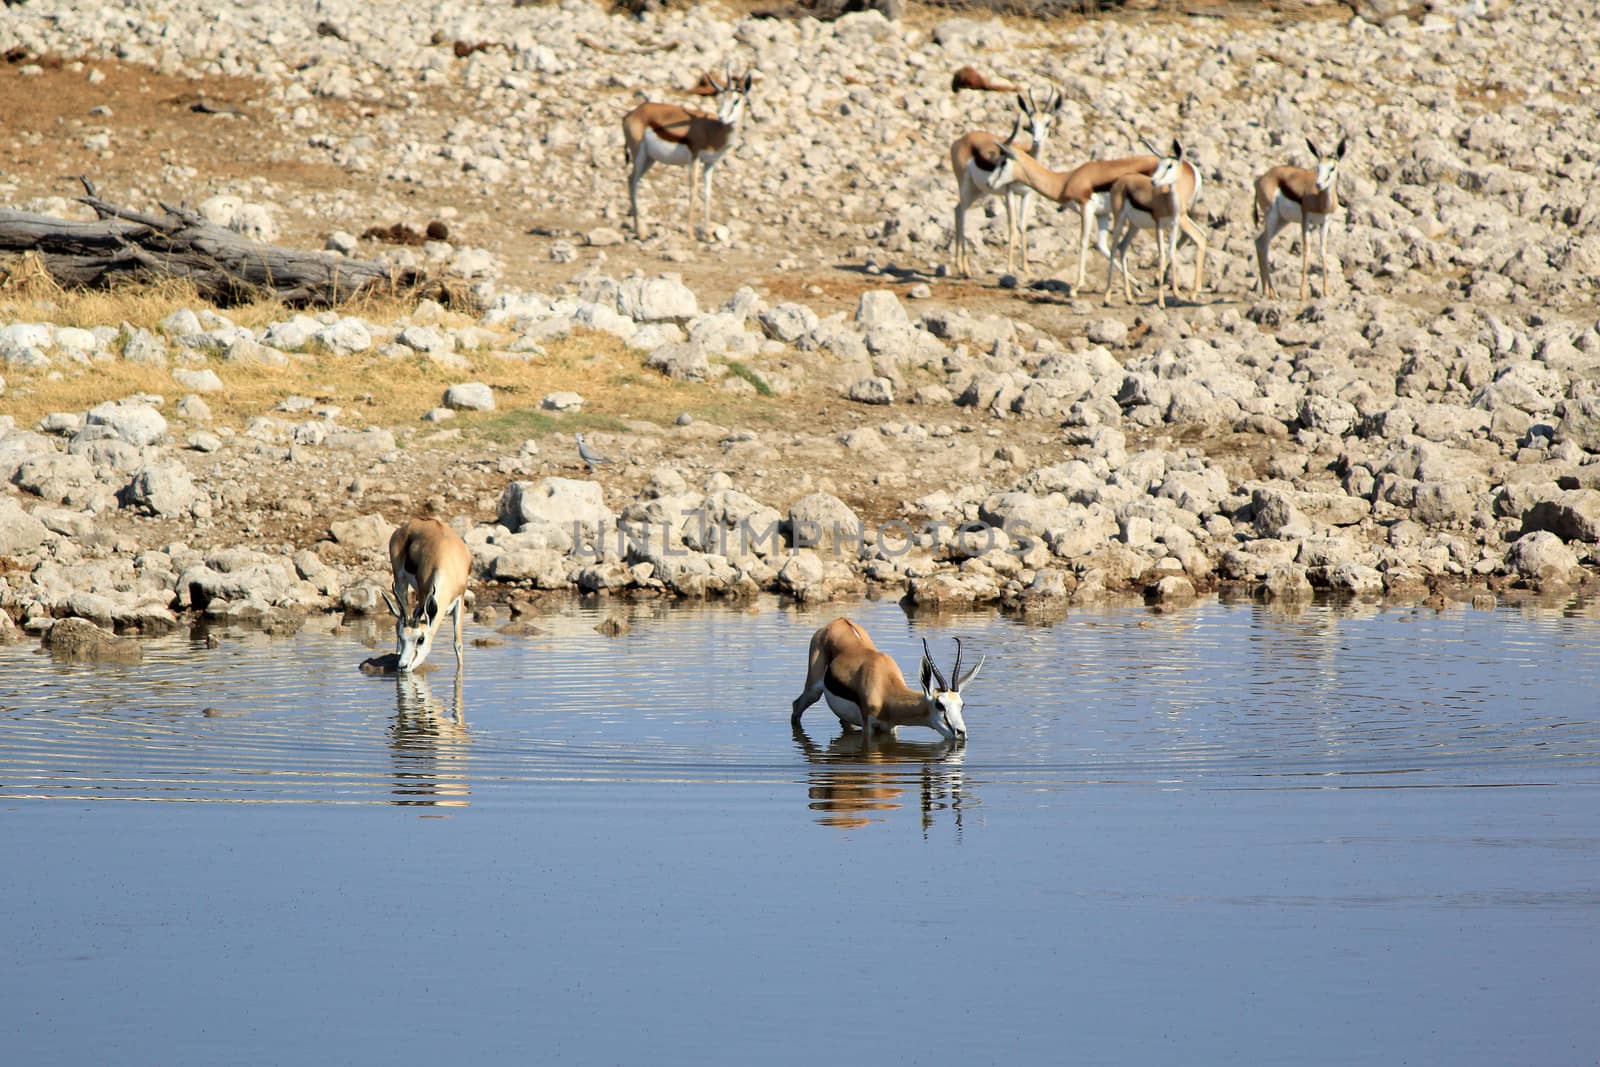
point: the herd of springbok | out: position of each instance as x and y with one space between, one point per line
1114 198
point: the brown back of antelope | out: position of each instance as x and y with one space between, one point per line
859 680
430 565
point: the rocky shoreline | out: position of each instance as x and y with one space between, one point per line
1361 495
1433 424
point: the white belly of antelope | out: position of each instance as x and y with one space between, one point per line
1287 210
1140 220
664 151
847 710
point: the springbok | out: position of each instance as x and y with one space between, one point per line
1158 202
972 159
1295 194
971 78
666 133
1086 187
706 83
431 565
865 688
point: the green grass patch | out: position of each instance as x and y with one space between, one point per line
745 371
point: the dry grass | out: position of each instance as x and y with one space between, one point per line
371 389
28 294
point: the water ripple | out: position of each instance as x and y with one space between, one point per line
1223 696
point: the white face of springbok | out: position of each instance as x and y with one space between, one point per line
413 636
1041 117
732 93
944 699
1166 172
1327 166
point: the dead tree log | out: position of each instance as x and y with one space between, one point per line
225 267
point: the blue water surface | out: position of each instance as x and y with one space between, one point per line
1228 834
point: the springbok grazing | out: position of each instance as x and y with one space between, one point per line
973 79
430 564
666 133
1295 194
865 688
1086 187
973 157
1158 202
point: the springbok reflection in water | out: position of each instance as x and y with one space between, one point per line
852 783
428 744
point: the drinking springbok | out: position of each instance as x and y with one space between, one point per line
1295 194
666 133
431 565
865 688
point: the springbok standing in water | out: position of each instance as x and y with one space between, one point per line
431 565
865 688
666 133
1294 194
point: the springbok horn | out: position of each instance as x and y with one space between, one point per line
956 673
1016 125
936 673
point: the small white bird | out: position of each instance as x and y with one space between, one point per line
590 457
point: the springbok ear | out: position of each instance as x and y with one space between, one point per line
1057 101
1316 153
430 610
961 682
1022 102
1177 150
394 605
1344 142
